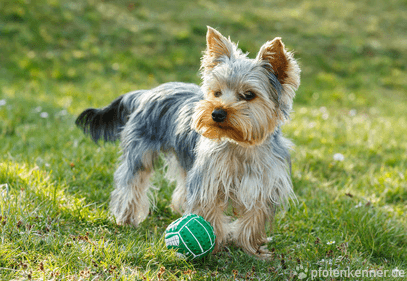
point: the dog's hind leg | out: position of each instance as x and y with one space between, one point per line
179 195
176 173
129 201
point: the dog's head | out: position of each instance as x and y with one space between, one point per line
245 99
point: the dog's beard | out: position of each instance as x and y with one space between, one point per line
241 125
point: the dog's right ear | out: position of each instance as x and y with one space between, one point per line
217 47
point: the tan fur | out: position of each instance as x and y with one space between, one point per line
274 53
216 46
238 125
248 231
283 65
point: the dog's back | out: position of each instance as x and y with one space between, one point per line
148 106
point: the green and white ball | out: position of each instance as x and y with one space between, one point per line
191 236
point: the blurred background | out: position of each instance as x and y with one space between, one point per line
352 53
349 124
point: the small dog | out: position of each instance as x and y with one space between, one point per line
223 138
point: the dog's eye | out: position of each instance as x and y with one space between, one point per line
248 96
217 94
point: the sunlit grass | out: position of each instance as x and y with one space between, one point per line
60 57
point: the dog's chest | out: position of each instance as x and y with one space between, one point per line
234 167
245 175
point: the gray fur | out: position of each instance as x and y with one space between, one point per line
154 125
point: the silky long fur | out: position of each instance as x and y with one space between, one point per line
243 160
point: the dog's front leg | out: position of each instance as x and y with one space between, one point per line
249 231
213 212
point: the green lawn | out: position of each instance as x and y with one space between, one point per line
59 57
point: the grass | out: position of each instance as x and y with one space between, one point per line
60 57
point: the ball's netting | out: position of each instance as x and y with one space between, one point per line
190 235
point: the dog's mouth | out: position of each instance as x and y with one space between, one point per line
223 132
231 128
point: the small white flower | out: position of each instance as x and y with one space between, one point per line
359 205
2 102
339 157
352 112
325 116
38 109
44 114
330 242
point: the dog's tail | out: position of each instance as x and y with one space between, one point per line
107 123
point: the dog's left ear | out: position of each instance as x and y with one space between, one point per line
283 66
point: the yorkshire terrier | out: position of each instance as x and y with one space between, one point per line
223 139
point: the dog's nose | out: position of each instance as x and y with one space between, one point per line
219 115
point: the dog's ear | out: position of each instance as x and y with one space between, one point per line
217 47
283 65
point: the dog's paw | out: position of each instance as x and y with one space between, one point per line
127 219
263 253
